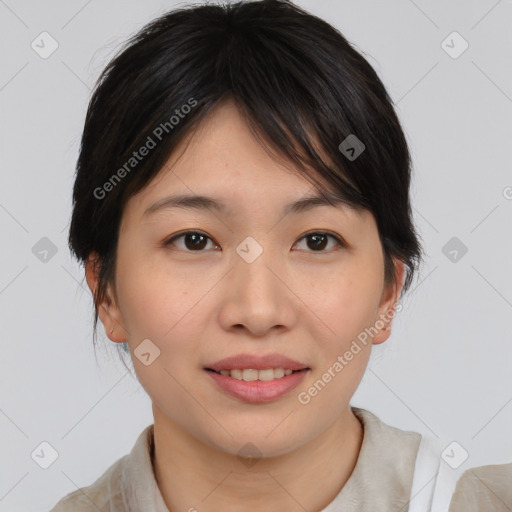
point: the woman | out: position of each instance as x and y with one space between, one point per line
241 207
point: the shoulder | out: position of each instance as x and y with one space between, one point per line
95 497
115 487
385 466
484 488
411 462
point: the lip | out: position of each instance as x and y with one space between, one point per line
257 390
256 362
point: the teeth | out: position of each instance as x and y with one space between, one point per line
236 374
250 375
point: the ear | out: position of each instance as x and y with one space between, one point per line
388 303
108 310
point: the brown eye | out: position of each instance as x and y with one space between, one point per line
318 241
193 241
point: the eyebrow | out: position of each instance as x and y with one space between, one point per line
207 203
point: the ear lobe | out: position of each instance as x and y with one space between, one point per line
108 310
388 304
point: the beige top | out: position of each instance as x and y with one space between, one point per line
484 489
381 480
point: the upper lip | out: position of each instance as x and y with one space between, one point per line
246 361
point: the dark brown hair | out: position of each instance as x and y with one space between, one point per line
298 82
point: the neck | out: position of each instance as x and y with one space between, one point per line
191 474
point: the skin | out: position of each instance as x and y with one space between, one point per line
201 305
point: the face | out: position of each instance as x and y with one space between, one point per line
249 279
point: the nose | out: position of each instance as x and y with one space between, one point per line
257 298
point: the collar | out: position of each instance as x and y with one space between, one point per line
383 474
381 479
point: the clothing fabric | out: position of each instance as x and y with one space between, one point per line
389 473
484 489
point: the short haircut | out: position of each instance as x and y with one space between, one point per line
301 87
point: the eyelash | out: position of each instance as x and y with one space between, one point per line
339 241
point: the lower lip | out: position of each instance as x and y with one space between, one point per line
258 390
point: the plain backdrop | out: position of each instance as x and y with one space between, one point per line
445 371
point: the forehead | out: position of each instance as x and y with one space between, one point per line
221 163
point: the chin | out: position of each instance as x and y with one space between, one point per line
255 442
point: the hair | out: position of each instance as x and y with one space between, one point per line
302 89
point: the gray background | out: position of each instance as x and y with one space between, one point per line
445 371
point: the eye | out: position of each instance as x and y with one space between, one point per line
319 239
194 241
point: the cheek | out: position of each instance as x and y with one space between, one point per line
347 302
164 310
158 300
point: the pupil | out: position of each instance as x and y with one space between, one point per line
195 237
316 239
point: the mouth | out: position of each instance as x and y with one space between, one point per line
256 378
252 374
252 385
